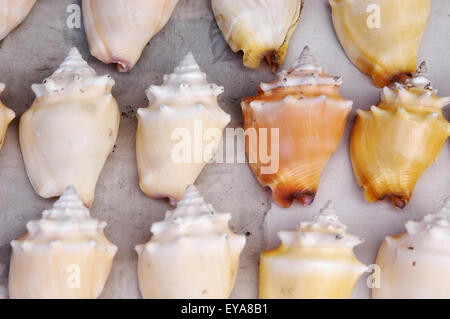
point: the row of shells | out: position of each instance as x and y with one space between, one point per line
68 133
193 254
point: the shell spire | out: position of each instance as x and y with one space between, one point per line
192 253
185 104
68 214
73 74
64 240
306 58
415 263
191 210
435 225
304 71
186 80
324 230
315 261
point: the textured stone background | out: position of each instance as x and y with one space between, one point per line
39 45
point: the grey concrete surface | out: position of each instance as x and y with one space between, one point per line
39 45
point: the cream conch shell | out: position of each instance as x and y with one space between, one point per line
260 28
64 255
380 37
6 116
316 261
192 254
70 130
183 108
300 118
12 13
415 264
119 30
395 142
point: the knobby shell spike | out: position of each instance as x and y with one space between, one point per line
6 117
261 29
300 117
396 141
192 254
179 132
381 38
315 261
119 30
65 254
70 130
415 264
12 13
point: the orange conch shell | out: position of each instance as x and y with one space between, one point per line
395 142
300 118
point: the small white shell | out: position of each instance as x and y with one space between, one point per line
179 132
70 130
415 264
192 254
119 30
65 254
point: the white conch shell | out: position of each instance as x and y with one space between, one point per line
12 13
315 261
260 28
185 107
192 254
6 116
64 255
70 130
119 30
415 264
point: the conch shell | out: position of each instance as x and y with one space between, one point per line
300 118
380 37
6 116
259 28
179 132
12 13
193 254
119 30
415 264
70 130
395 142
64 255
316 261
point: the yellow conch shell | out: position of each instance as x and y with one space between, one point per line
12 13
381 37
395 142
316 261
299 119
6 116
260 28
